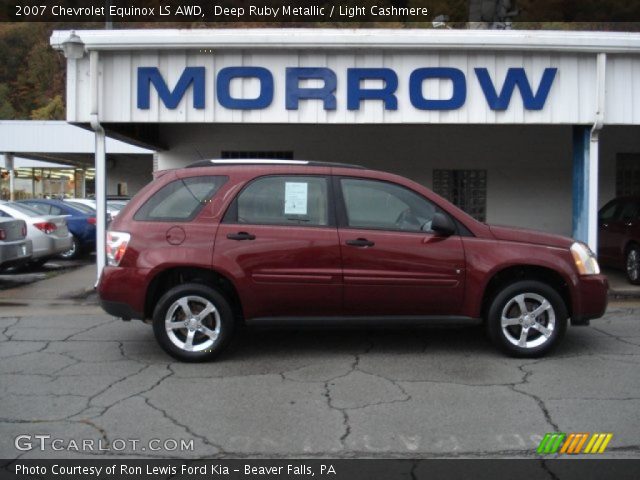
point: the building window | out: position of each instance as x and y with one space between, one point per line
627 174
466 189
285 155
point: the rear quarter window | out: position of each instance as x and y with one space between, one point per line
180 200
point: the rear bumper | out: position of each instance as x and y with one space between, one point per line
51 246
119 309
122 291
13 254
592 298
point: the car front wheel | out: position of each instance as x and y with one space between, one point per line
527 319
193 322
633 265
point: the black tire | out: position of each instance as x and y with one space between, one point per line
39 263
175 341
74 251
632 264
552 318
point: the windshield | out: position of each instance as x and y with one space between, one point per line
115 206
82 207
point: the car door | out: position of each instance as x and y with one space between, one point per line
393 264
607 218
623 230
278 240
615 226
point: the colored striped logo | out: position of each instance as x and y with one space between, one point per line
573 443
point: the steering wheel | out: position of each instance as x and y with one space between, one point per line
407 220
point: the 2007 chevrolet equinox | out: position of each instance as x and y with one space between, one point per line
205 248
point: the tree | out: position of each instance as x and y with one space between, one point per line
6 109
54 110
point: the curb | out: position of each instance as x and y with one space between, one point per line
621 295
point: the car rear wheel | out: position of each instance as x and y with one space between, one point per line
193 322
527 319
74 251
633 265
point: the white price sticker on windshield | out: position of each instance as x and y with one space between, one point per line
295 198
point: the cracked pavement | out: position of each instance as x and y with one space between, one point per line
313 393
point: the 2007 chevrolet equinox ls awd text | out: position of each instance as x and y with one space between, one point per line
204 249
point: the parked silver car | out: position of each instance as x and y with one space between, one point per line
15 248
48 233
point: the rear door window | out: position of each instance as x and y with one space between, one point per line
283 200
180 200
41 207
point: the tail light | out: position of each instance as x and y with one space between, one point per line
91 220
2 234
24 230
46 227
116 247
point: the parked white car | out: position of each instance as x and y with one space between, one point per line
49 234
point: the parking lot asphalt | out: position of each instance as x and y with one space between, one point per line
75 374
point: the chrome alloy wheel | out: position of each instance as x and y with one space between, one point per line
528 320
633 265
192 323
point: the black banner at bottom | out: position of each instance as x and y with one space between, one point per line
299 469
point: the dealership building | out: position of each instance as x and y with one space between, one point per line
528 128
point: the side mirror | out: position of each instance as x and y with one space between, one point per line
443 225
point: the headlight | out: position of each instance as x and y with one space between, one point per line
585 259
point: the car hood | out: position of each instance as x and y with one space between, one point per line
523 235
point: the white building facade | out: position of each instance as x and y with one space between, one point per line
529 128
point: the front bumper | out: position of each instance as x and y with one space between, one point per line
591 299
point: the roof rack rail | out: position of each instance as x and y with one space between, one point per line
269 161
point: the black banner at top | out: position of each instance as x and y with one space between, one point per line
494 13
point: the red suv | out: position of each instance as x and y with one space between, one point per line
619 236
220 243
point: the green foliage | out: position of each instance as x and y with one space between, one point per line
32 74
6 109
54 110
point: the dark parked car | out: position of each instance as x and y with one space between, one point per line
81 222
203 248
619 236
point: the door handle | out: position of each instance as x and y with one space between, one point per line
241 236
360 242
